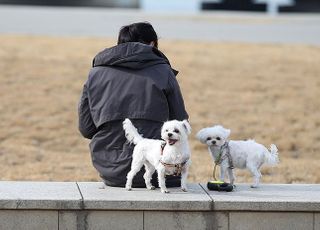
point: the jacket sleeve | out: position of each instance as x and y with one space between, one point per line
86 126
175 101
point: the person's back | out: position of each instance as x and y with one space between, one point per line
131 80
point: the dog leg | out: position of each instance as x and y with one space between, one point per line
148 175
184 175
222 172
135 167
231 176
256 175
162 179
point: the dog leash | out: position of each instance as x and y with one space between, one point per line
218 185
219 159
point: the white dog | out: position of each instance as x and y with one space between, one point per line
237 154
168 157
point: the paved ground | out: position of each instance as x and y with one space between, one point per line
212 26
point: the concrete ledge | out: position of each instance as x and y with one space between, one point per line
39 195
112 198
271 220
84 205
268 197
90 196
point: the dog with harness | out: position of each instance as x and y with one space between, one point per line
168 157
239 154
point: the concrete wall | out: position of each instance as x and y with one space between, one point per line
71 205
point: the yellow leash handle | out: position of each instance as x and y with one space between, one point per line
218 185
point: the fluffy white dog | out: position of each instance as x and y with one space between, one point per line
168 157
237 154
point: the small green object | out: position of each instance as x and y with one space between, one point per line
220 186
216 181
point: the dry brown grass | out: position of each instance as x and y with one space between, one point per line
267 92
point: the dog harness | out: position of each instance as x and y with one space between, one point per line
222 157
178 167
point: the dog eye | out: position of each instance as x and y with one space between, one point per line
176 131
167 130
218 138
209 138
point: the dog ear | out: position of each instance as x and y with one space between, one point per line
227 131
187 126
201 136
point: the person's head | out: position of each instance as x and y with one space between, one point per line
138 32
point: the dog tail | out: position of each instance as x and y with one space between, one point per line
272 157
131 132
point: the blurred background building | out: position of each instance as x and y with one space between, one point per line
261 5
185 5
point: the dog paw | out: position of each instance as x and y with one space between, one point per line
165 191
151 188
128 188
254 186
184 189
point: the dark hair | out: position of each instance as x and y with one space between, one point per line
138 32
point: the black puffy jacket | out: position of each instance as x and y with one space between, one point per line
130 80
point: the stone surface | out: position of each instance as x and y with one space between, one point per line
271 220
268 197
220 220
267 207
112 198
68 220
164 220
86 220
39 195
316 221
28 220
115 220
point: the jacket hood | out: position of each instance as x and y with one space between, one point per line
132 55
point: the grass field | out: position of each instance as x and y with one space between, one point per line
267 92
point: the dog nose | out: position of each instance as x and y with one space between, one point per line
213 142
170 134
